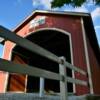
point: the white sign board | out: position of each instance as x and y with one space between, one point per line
37 21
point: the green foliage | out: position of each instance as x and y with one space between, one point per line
74 3
77 3
58 3
98 2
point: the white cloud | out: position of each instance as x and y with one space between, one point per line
70 8
47 3
63 8
42 4
96 13
81 9
97 27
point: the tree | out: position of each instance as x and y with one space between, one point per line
74 3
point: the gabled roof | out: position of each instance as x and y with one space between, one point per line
47 12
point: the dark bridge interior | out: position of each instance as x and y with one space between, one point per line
57 43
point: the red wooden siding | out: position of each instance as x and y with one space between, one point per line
72 25
17 82
6 55
95 69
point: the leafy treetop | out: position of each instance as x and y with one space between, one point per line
74 3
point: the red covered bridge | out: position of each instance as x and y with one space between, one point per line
65 34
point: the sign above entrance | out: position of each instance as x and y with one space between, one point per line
39 20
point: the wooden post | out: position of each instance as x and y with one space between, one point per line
41 87
63 81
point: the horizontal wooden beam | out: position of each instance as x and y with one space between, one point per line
12 67
68 65
76 81
7 34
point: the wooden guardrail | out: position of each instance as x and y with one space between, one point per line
37 72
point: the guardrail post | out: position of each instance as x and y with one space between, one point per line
41 87
63 81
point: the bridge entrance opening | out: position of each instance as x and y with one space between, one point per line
52 40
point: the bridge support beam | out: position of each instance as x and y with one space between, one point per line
41 87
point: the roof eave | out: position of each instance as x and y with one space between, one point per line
51 12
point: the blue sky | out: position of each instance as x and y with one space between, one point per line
1 50
12 12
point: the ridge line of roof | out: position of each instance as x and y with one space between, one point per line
52 12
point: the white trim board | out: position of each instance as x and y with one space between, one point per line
87 57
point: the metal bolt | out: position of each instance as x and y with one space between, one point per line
62 61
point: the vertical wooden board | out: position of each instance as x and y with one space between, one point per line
95 69
17 82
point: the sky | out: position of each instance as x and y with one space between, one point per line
1 51
12 12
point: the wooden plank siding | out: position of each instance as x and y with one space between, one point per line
95 69
17 82
70 24
73 26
